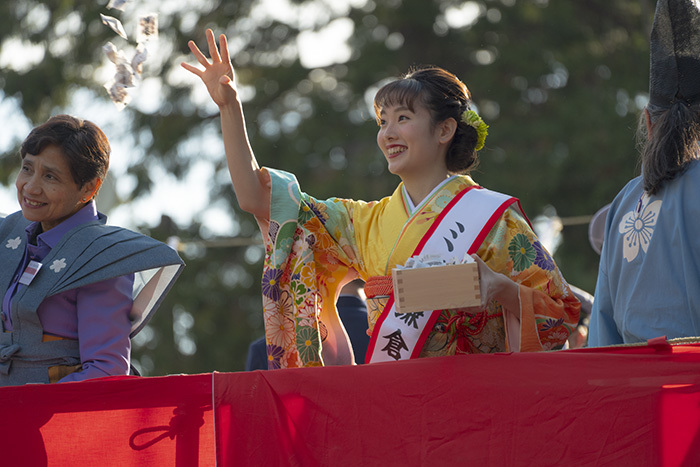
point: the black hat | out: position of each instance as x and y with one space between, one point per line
675 53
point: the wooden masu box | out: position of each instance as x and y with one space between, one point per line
436 288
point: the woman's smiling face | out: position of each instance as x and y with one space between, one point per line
46 190
409 140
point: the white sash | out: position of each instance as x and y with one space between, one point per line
459 229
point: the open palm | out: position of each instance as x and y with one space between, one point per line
217 74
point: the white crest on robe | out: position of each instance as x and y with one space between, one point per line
637 227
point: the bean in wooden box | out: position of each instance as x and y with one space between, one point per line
436 288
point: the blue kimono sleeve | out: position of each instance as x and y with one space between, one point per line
602 329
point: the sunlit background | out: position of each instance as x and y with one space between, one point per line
187 198
560 84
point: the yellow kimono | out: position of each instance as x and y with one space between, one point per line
312 248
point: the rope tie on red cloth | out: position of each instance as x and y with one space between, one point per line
185 422
376 286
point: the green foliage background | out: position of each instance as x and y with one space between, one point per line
560 84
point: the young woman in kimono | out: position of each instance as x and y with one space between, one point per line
429 137
74 290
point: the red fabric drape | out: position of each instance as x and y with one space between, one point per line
624 406
128 421
631 406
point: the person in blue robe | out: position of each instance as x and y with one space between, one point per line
649 269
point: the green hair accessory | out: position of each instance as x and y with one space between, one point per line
472 119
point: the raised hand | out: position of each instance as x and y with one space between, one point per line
217 75
249 182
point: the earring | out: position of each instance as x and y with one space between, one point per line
84 200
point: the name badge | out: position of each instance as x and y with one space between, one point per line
30 272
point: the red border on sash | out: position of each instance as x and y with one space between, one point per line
419 247
377 327
472 249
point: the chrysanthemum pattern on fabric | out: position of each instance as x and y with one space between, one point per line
315 246
299 262
521 252
550 323
274 357
307 351
543 260
270 283
279 330
526 262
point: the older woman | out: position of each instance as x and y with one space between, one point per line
74 289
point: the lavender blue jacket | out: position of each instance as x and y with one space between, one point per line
87 254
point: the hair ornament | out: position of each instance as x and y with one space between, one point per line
472 119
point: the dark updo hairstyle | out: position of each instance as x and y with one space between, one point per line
445 96
83 144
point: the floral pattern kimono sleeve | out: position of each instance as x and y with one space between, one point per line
549 311
309 251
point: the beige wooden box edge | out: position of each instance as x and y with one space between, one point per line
436 288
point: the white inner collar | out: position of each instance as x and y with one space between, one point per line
409 201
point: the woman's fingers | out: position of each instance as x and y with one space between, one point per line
223 44
213 50
191 69
197 53
201 58
216 75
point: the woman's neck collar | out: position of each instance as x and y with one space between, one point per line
419 189
413 203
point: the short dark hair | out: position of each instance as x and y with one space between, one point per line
83 143
445 96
